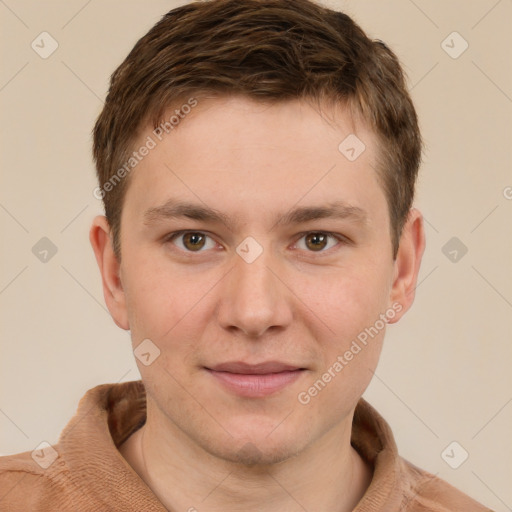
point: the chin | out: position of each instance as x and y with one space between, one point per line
251 454
261 447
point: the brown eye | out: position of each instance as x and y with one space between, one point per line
316 241
192 241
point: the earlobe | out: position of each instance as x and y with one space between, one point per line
407 263
100 238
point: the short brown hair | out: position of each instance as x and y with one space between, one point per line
267 50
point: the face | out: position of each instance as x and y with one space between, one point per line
257 259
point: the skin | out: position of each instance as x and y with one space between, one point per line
297 303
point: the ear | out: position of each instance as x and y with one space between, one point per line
407 264
109 265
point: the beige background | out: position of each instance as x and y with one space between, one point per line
445 372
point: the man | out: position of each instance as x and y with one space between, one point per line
257 162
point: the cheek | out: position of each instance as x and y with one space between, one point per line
351 303
161 298
347 301
350 352
171 308
336 389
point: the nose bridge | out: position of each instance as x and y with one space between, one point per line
253 299
255 277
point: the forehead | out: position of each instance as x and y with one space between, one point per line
238 123
257 155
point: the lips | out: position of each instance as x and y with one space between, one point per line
254 369
255 380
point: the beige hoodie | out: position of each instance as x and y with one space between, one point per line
86 472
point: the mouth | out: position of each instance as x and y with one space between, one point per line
255 380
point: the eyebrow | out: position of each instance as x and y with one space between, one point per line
173 209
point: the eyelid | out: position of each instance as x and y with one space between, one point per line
170 237
340 238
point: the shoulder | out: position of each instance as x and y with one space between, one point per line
29 483
426 492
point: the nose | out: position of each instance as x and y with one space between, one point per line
253 298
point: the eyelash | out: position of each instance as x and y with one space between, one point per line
341 239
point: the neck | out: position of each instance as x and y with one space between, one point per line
328 475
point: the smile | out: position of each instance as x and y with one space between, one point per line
255 381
